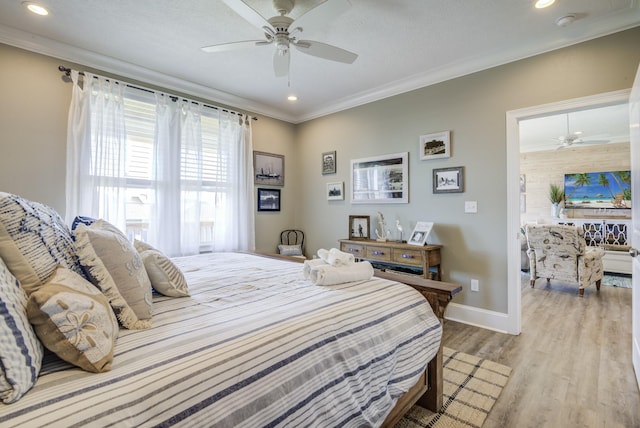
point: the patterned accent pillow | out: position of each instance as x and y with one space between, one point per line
20 350
290 250
166 278
34 241
81 219
116 268
74 320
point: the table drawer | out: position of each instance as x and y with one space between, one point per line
355 249
378 253
407 257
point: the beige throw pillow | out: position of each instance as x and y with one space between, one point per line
74 320
116 268
166 278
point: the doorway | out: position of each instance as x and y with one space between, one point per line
513 121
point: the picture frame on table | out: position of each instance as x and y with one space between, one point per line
359 226
380 179
420 233
335 191
435 146
448 180
329 163
268 169
268 199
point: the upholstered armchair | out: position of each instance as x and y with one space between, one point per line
560 252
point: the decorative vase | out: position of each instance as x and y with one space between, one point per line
555 209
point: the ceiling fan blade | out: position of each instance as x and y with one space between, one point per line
281 63
248 13
323 13
224 47
323 50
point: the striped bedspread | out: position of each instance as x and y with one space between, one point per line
256 345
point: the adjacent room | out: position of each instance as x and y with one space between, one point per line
319 213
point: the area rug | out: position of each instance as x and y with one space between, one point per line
620 281
471 387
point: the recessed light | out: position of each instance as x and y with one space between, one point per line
541 4
36 8
292 98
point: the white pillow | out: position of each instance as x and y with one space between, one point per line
20 351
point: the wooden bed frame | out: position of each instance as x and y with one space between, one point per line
427 392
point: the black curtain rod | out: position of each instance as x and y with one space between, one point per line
67 72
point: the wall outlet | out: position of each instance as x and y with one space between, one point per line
475 284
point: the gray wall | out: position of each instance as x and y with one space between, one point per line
33 117
473 108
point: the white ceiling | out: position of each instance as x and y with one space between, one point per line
402 45
601 125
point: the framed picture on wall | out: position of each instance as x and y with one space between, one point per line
268 169
329 163
335 191
380 179
448 180
435 146
268 199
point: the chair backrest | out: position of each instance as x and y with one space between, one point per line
292 237
558 239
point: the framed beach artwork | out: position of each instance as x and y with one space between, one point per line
595 190
268 169
435 146
380 179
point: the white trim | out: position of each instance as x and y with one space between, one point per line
513 117
478 317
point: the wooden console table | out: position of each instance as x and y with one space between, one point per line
394 254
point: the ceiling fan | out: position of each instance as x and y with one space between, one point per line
574 138
277 32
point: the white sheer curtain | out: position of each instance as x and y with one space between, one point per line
96 144
234 221
194 173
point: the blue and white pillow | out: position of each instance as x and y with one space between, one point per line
34 241
82 219
20 350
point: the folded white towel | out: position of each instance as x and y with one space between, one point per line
310 264
331 275
340 258
323 254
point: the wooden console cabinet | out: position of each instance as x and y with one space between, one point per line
396 256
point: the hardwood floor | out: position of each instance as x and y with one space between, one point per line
571 363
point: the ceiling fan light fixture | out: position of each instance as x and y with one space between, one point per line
541 4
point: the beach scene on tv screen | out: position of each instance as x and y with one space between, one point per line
611 189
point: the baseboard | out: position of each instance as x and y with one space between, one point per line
491 320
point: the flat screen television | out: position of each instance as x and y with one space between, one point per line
593 190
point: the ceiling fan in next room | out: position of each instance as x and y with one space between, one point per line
574 138
277 32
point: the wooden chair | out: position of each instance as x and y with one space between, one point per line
560 252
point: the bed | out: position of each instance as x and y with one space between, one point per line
254 343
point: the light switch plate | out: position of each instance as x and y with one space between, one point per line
471 207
